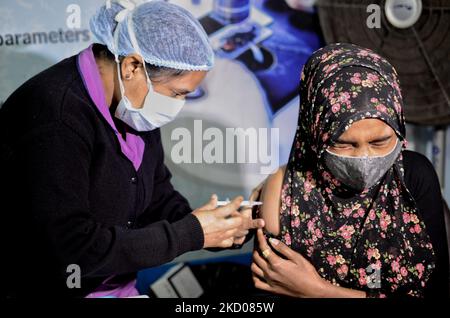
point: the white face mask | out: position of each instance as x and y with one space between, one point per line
156 111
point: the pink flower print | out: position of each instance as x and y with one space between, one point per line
331 260
375 57
374 100
355 80
373 252
362 281
326 176
342 271
336 182
317 120
310 251
287 200
381 108
308 187
363 53
310 226
403 271
330 68
395 266
372 77
372 214
417 228
335 108
406 217
385 220
377 264
318 233
383 224
346 231
420 268
347 212
398 107
361 212
295 222
287 239
344 97
362 272
362 276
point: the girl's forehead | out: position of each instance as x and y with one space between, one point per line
367 128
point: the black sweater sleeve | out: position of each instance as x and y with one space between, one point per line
57 181
423 183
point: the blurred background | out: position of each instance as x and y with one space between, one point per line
261 46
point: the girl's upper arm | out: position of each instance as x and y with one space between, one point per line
271 196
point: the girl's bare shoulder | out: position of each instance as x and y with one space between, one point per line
271 196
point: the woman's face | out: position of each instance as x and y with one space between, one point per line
366 137
179 86
135 82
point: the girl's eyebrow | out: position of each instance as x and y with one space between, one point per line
343 141
381 139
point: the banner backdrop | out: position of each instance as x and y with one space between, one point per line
234 130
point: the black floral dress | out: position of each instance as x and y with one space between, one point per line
374 240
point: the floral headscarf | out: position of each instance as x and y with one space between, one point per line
374 240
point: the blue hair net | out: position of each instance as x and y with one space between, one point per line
163 34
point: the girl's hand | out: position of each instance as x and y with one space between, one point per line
294 276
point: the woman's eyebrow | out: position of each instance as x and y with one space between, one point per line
181 91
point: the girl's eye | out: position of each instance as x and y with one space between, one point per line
379 144
341 146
